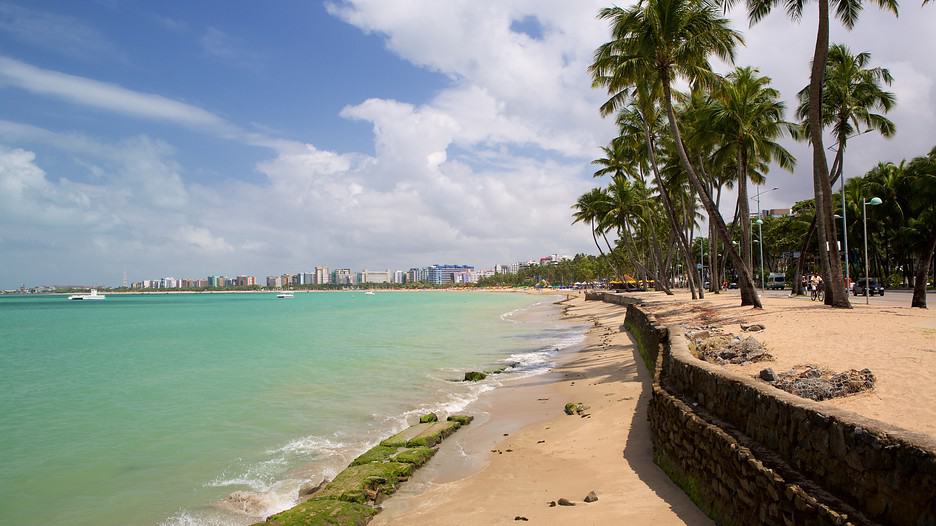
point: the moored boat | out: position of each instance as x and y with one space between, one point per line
93 295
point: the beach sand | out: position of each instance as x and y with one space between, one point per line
523 451
897 343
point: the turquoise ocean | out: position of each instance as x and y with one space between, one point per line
212 409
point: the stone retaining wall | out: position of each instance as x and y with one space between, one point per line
748 453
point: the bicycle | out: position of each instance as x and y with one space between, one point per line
817 294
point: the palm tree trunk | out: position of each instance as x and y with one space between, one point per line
744 205
671 213
822 187
748 294
924 260
807 241
595 237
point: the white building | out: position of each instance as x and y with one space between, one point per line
321 276
375 276
399 277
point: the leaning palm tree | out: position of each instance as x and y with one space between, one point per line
588 208
847 12
854 102
662 41
749 115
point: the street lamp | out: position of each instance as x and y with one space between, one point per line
874 201
760 233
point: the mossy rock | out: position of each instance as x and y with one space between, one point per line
461 419
324 512
428 418
415 455
352 483
437 432
572 408
474 376
400 439
377 453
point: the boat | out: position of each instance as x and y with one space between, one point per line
93 295
369 293
284 295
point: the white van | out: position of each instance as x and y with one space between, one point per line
776 281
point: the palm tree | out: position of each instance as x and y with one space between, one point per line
853 102
661 41
847 12
748 114
922 200
588 208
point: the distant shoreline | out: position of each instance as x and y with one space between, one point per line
525 290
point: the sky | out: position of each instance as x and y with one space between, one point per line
215 137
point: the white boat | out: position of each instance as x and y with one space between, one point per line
84 297
369 293
284 295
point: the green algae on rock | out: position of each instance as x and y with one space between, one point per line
378 453
415 455
323 512
437 432
474 376
428 417
461 419
354 483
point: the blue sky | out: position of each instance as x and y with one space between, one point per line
193 138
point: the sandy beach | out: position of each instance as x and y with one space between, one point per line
523 452
897 343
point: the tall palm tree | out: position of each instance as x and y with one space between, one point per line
853 102
661 41
749 115
922 200
847 12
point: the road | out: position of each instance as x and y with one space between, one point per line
891 298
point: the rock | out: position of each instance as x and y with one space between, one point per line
309 488
428 417
591 497
565 502
752 327
552 504
768 375
520 518
573 408
461 419
474 376
246 502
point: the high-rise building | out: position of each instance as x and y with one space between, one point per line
274 282
375 276
169 283
308 278
245 281
342 276
398 277
444 274
321 276
417 275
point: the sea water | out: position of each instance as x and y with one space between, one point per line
212 409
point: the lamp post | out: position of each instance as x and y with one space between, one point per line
760 232
874 201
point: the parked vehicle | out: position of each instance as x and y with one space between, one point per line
776 281
874 287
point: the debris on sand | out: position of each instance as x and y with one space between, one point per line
726 349
816 383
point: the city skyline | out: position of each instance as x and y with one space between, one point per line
161 137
